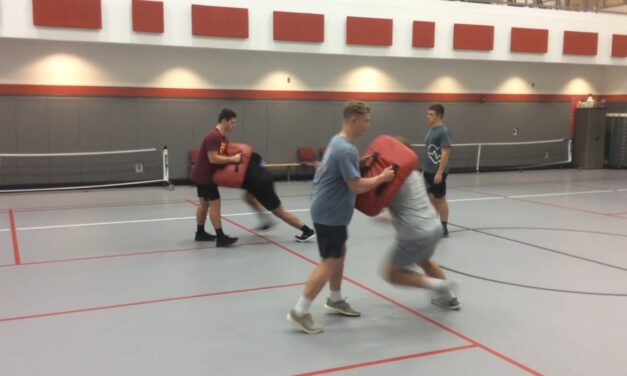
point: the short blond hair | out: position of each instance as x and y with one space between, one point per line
352 109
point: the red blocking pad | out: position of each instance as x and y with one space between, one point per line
388 151
232 175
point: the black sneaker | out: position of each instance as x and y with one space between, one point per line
204 237
225 241
308 234
445 231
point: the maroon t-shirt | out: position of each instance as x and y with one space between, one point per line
203 169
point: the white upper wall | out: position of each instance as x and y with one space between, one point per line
36 62
16 22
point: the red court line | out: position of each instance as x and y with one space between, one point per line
388 360
543 203
477 192
118 255
566 207
16 246
145 302
400 305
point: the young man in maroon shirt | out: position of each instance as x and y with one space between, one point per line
213 153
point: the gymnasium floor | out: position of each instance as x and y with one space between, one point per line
110 282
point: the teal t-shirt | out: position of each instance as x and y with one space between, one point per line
437 138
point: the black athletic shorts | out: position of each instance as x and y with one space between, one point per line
331 240
437 190
208 192
259 182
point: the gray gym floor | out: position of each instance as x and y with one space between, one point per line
110 282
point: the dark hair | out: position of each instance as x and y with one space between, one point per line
226 114
355 109
438 109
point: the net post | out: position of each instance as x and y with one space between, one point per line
570 150
478 158
166 167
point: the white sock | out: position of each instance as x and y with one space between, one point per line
302 306
335 296
439 286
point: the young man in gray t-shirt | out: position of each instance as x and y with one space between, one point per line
417 233
335 185
435 163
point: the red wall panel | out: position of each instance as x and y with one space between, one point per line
219 21
148 16
579 43
423 34
473 37
81 14
529 40
619 45
303 27
369 31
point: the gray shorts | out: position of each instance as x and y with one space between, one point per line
406 253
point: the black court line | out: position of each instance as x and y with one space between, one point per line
530 286
478 230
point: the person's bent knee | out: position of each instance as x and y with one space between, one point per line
387 273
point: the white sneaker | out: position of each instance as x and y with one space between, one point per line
452 304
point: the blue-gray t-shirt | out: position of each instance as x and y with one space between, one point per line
437 138
332 203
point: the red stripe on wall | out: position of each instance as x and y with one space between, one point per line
529 40
219 21
82 14
423 34
619 45
579 43
107 91
473 37
302 27
369 31
148 16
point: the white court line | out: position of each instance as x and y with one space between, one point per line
296 210
563 194
478 199
131 221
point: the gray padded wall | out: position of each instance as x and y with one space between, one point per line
274 128
616 107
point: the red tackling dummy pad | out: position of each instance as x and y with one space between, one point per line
232 174
387 151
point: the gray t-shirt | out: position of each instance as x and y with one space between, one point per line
332 203
437 138
413 216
